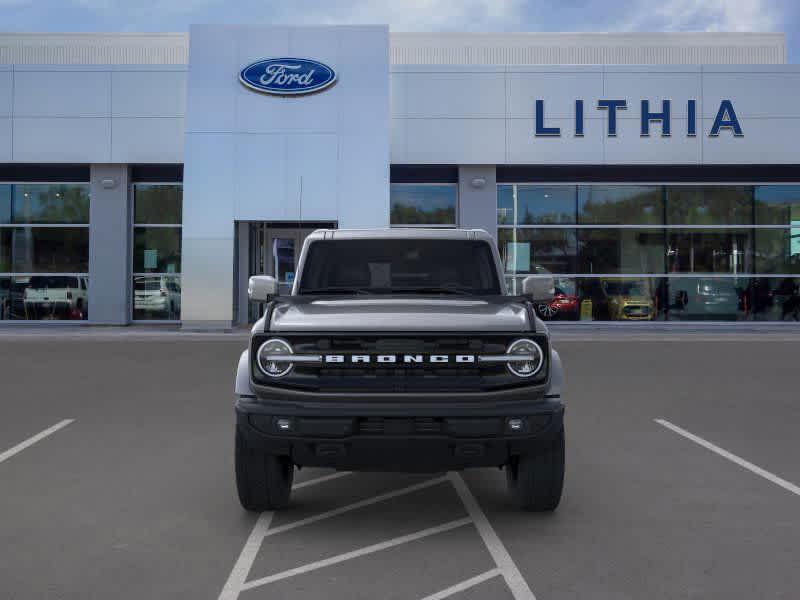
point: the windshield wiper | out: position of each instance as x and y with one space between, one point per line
336 289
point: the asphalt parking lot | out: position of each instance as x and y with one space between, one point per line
116 481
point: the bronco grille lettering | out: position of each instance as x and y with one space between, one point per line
394 358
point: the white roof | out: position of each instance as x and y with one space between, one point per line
426 48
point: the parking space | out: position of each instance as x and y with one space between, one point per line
135 496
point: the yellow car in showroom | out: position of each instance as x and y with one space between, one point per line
628 299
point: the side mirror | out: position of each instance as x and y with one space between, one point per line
539 288
260 288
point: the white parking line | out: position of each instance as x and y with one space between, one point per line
464 585
357 553
33 439
236 580
514 579
322 479
360 504
731 457
246 558
251 547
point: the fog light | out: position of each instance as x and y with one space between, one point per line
516 424
283 424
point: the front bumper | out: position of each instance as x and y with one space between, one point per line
403 437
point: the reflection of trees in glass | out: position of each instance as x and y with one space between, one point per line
44 250
43 203
545 204
777 251
166 241
621 204
777 204
158 204
418 204
411 215
709 205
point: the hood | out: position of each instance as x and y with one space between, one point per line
400 314
635 299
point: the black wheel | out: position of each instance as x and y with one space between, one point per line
263 481
535 480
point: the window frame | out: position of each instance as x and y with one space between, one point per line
83 277
133 274
514 279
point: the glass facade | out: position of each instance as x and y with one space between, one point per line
423 204
656 252
44 251
156 263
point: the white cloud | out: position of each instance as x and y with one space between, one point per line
705 15
416 15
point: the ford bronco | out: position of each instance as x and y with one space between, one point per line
399 350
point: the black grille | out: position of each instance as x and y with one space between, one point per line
401 376
392 426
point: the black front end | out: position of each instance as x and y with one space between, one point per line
399 402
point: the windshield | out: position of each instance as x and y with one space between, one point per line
381 266
40 282
626 288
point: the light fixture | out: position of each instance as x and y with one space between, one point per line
108 183
527 358
274 357
478 182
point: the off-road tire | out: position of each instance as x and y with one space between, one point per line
263 481
535 480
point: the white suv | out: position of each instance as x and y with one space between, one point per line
56 296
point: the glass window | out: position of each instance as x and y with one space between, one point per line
46 204
396 266
157 250
709 205
621 299
778 250
620 204
5 203
707 299
535 204
157 214
621 251
44 249
533 249
777 205
44 297
774 299
158 204
710 250
156 297
423 204
44 264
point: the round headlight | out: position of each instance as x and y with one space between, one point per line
271 357
534 357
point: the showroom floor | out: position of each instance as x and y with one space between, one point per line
116 479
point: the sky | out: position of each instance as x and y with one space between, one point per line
414 15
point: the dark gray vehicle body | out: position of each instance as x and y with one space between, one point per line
395 419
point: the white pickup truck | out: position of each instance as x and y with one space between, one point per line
56 297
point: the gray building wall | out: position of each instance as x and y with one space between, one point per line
477 198
109 245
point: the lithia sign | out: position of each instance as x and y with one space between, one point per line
726 119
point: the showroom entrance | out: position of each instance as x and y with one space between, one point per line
275 249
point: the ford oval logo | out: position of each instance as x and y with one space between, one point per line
287 76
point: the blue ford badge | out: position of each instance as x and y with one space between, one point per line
287 76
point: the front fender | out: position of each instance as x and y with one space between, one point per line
555 388
242 387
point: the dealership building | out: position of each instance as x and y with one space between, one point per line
145 177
